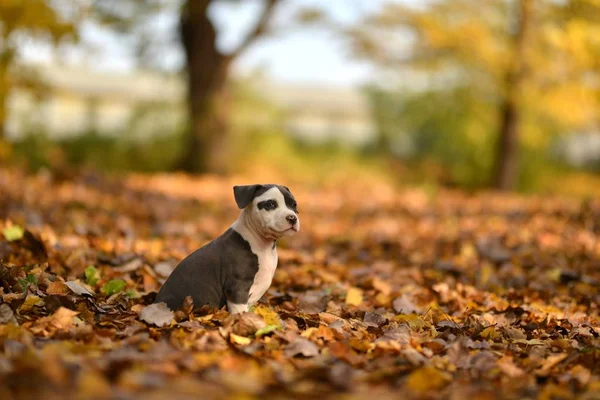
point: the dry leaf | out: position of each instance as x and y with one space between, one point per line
301 347
427 379
354 296
58 287
157 314
239 339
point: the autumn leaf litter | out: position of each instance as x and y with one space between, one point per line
488 295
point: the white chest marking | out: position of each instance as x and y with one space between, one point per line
267 263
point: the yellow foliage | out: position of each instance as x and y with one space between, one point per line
473 44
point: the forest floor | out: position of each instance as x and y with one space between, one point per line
383 293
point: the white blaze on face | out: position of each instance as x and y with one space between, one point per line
274 221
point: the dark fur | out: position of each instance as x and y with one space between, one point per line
222 270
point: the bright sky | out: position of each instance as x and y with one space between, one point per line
306 55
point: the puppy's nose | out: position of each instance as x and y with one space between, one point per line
292 219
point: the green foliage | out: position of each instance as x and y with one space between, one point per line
91 276
24 283
266 330
12 233
451 128
305 162
105 153
113 286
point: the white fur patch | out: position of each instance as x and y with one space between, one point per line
267 263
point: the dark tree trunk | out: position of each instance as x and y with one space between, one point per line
506 170
207 69
206 73
507 150
3 99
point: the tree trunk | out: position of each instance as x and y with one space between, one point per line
506 170
3 99
507 150
207 69
206 72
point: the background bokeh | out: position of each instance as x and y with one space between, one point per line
473 94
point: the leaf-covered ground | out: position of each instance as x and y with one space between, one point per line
383 293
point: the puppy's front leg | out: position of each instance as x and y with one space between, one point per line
236 308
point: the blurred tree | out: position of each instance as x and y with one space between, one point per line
207 70
206 67
21 21
531 61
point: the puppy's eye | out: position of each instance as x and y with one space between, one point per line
271 205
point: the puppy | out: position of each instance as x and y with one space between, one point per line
237 268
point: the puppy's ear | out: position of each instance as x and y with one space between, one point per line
244 194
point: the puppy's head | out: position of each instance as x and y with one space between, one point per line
272 208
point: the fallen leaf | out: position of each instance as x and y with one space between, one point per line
77 288
30 302
269 316
157 314
404 305
91 276
508 367
301 347
62 319
550 362
57 287
354 296
244 324
266 330
12 233
427 379
239 339
113 286
6 315
581 374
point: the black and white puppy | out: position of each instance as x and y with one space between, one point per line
237 268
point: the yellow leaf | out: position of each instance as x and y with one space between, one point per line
270 316
382 299
413 320
239 339
425 379
308 333
490 333
30 302
354 297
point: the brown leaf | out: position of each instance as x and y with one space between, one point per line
58 287
6 315
404 305
550 362
508 367
301 347
244 324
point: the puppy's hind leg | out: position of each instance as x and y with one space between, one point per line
236 308
237 297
